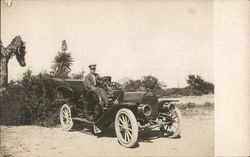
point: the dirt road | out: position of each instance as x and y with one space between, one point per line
197 139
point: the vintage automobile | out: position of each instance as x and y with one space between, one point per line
130 112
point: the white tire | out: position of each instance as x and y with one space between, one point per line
126 127
174 128
66 120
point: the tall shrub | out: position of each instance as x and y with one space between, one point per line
32 100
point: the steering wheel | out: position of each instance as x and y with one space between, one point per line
105 82
106 79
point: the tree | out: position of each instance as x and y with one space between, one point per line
62 62
209 88
133 85
196 82
150 82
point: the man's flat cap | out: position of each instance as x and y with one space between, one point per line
92 66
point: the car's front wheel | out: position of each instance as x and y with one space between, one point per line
126 127
173 127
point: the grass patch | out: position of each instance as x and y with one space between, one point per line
191 109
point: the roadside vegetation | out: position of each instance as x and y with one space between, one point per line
196 86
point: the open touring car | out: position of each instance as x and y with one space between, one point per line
130 112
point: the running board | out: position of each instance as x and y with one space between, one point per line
82 120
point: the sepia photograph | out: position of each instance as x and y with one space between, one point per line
107 78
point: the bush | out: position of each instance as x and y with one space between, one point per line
176 92
30 101
208 104
133 85
188 105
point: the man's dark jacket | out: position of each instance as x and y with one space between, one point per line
89 81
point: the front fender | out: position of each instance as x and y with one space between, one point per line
109 115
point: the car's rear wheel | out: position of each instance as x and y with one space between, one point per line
126 127
173 127
66 120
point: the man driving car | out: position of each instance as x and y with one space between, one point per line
91 84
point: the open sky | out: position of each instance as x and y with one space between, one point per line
167 39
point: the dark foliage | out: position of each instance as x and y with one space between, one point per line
78 75
133 85
196 86
195 82
61 64
175 92
147 83
30 101
150 82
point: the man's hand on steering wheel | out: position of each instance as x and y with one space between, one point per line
104 82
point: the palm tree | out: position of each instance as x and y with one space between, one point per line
62 62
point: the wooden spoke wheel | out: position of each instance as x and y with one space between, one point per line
66 120
174 124
126 127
